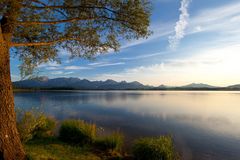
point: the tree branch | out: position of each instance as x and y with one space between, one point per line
72 7
28 23
29 44
43 4
66 7
39 2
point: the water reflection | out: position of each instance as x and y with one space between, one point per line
205 125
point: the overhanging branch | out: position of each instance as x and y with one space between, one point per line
27 23
72 7
29 44
43 4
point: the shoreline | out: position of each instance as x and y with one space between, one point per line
99 90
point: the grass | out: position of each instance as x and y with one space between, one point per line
111 142
53 149
32 124
158 148
78 141
77 132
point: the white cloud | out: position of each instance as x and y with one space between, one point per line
15 77
197 29
159 30
52 68
214 14
235 19
49 64
209 65
56 72
145 56
96 63
223 20
67 73
75 68
104 64
163 1
68 61
180 25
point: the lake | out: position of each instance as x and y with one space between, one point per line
204 124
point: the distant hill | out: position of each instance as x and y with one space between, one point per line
84 84
163 87
198 85
237 86
76 83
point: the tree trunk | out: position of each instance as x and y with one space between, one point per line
10 144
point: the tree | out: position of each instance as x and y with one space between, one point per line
35 30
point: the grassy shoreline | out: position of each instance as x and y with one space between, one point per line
78 140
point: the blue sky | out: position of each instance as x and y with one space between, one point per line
193 41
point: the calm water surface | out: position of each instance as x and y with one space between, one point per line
204 125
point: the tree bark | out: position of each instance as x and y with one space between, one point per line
10 144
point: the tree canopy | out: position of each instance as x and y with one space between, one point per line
40 28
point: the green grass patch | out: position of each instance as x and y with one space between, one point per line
111 142
32 124
159 148
78 141
77 132
53 149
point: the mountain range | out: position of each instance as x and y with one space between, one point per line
84 84
76 83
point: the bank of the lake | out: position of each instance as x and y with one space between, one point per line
203 124
45 138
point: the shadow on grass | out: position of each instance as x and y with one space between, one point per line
53 149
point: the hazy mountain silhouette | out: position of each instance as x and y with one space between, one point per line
76 83
198 85
236 86
84 84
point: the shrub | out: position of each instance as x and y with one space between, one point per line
29 157
46 129
160 148
77 131
112 142
31 124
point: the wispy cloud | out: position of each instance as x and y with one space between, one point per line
51 68
57 72
96 63
180 25
15 77
104 64
49 64
208 20
145 56
159 30
75 68
67 73
60 73
201 67
205 20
